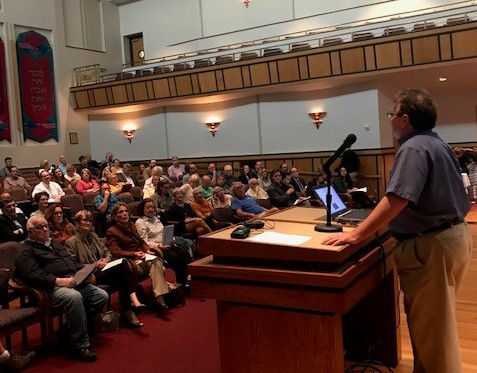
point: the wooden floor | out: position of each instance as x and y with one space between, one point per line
466 317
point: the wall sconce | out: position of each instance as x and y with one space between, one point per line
246 3
129 134
317 117
213 127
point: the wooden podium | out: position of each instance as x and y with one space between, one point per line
299 308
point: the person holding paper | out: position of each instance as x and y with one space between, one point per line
123 241
47 265
86 248
176 253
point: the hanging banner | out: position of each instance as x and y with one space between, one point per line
37 87
4 113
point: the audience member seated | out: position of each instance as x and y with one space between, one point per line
87 184
108 160
229 175
162 199
350 161
115 184
177 254
220 198
206 188
281 194
255 172
142 169
147 173
343 182
176 171
105 202
297 182
45 165
316 182
192 170
264 179
55 192
286 177
85 164
92 165
12 224
106 173
255 190
187 189
221 183
116 167
157 170
284 168
41 200
5 170
13 181
213 173
123 241
129 175
60 228
244 174
202 207
62 163
150 189
71 174
86 248
10 362
47 265
5 196
59 178
186 219
245 207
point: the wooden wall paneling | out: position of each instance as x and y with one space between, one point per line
260 74
236 167
172 87
233 78
119 94
273 164
370 57
388 55
219 76
303 164
139 91
272 67
195 84
184 85
246 76
352 60
288 70
425 49
319 65
317 164
207 82
129 93
161 88
82 100
335 63
303 65
100 96
91 98
150 90
406 52
109 93
464 44
445 43
289 162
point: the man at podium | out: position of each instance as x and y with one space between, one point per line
425 205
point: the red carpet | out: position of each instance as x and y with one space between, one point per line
187 342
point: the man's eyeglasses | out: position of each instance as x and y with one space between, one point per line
390 115
40 227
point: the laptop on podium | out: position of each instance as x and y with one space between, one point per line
339 211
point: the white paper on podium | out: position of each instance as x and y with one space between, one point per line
112 264
280 238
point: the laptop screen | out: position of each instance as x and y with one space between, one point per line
337 204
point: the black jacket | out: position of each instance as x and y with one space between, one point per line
278 196
39 265
296 186
8 227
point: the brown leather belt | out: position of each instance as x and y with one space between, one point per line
437 228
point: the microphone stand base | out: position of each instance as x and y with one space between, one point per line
328 228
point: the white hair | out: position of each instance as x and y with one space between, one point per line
31 222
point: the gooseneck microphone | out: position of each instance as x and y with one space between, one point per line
328 227
350 140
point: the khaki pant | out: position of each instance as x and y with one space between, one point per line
156 274
431 268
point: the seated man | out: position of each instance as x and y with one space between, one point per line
229 175
157 170
176 170
255 190
105 201
297 182
246 207
55 192
213 173
192 171
150 189
282 194
194 182
6 195
147 173
206 188
13 181
12 225
47 265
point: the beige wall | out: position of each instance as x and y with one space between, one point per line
46 17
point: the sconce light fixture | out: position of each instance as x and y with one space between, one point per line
317 117
246 2
213 127
129 134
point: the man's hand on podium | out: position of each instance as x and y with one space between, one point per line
344 238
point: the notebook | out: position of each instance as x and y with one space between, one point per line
168 235
339 211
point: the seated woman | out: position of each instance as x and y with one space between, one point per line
86 247
264 179
244 177
60 228
220 182
316 182
343 182
41 200
59 178
115 184
87 184
202 207
220 198
116 167
150 230
185 216
162 198
123 241
71 174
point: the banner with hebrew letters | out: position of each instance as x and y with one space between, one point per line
4 112
37 87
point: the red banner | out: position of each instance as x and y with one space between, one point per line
4 113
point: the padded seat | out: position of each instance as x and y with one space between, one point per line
16 315
18 194
74 202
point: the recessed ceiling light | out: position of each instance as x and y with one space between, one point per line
442 79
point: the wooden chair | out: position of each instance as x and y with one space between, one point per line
74 202
126 197
137 193
18 194
88 200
